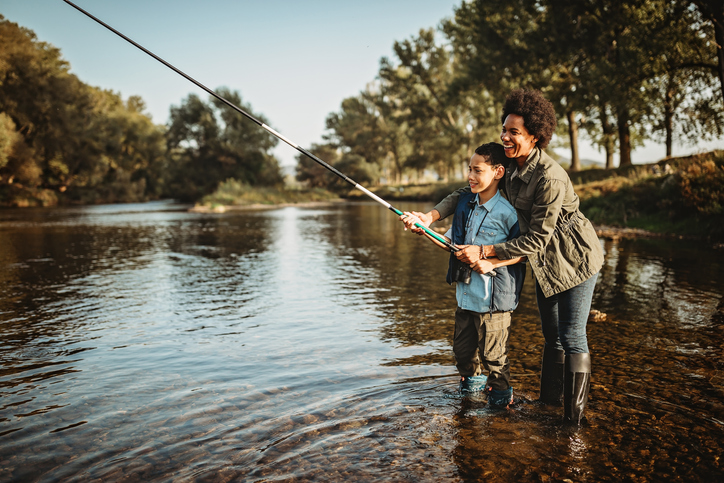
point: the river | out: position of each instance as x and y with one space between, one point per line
143 342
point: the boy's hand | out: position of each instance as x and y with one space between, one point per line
468 254
482 266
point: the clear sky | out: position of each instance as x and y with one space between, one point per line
292 61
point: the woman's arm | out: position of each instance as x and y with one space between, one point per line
442 210
485 265
447 206
544 213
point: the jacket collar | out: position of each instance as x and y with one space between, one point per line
531 163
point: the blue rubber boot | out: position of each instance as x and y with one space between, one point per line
500 399
473 384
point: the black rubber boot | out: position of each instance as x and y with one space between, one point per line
551 375
576 383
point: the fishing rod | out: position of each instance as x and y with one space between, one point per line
349 180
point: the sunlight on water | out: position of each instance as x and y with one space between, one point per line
147 343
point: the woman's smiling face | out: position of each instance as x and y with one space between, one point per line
517 141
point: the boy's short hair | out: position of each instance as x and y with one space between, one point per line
493 153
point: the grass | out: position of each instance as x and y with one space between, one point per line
680 196
235 193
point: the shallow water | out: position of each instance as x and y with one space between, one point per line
146 343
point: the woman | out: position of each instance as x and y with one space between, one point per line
560 243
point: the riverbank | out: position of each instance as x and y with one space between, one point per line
218 208
676 197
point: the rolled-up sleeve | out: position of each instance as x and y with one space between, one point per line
447 206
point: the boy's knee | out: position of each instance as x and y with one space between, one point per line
497 327
497 321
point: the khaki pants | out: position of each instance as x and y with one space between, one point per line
483 337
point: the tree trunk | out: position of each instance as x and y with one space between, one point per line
669 120
610 148
609 142
624 139
573 135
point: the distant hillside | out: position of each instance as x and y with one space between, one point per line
586 163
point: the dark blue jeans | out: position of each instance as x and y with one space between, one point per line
564 316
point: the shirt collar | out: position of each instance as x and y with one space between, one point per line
488 205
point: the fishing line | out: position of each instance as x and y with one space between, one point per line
349 180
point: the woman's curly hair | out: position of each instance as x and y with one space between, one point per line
539 116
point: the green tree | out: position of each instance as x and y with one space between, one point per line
311 172
685 98
66 136
356 128
439 129
713 11
210 142
38 94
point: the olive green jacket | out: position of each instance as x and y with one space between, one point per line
560 243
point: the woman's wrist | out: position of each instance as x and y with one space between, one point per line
434 215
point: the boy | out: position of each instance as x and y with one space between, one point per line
486 297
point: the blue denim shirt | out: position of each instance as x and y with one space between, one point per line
487 224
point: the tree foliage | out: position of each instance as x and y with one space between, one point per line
62 138
619 72
210 142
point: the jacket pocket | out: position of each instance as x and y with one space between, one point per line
563 256
524 203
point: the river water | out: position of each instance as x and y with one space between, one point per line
146 343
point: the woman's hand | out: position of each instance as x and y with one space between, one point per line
410 218
468 253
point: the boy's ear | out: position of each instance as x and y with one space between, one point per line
499 172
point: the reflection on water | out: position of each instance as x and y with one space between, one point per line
147 343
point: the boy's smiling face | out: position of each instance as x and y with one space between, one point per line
483 178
